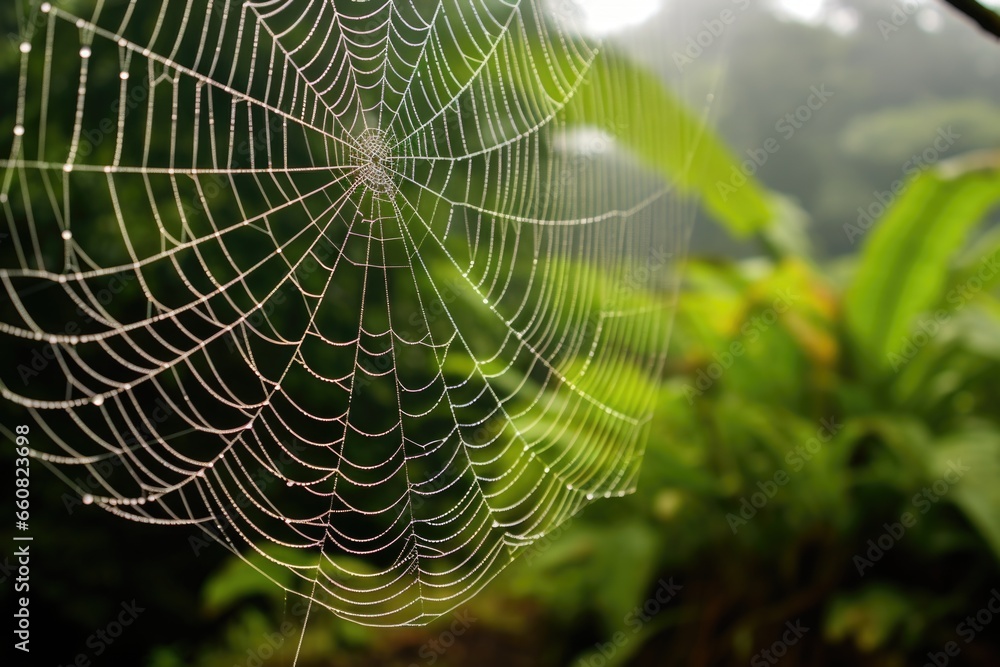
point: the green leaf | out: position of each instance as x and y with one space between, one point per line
634 106
787 234
905 264
582 569
976 493
255 574
872 617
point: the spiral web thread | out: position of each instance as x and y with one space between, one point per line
342 283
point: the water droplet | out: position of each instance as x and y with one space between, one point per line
97 400
19 130
46 7
123 76
88 499
25 47
85 52
66 235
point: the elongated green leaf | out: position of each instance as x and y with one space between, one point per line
872 616
258 571
974 459
634 106
904 266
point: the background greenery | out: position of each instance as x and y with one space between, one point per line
892 344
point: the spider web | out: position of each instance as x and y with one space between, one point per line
344 284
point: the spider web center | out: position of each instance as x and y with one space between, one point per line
374 160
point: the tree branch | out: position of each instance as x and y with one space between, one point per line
987 19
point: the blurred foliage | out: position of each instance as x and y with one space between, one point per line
806 407
632 105
802 418
892 92
890 136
